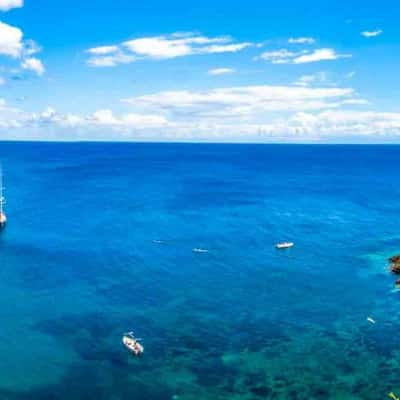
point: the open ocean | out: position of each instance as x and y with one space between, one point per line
100 241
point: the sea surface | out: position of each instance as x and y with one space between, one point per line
100 240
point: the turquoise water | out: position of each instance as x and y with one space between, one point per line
100 240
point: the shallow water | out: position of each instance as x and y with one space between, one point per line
102 239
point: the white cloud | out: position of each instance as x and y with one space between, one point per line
6 5
221 71
284 56
13 45
370 34
134 120
340 123
243 116
359 102
103 50
2 81
30 47
33 64
247 102
10 40
308 80
159 47
104 117
319 55
226 48
302 40
162 47
111 60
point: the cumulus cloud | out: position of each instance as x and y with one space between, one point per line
306 125
10 40
221 71
370 34
284 56
342 123
51 124
33 64
302 40
133 120
161 48
13 45
249 113
6 5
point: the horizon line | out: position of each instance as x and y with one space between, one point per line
189 142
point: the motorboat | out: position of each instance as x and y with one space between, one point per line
132 344
284 245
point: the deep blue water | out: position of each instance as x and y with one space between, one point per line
100 240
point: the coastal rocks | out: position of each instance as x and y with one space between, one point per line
395 268
395 259
395 265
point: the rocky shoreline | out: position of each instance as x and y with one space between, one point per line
395 267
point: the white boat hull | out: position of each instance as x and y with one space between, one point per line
132 345
3 219
282 246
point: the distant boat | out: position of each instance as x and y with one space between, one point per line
3 218
199 250
284 245
132 344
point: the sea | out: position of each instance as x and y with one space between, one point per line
176 242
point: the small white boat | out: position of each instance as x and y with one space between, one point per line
132 344
200 250
3 218
284 245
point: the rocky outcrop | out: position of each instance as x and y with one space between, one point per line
395 264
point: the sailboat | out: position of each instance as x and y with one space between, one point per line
3 218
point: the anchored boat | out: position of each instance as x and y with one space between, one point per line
132 344
3 218
284 245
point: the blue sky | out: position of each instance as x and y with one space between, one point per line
280 71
